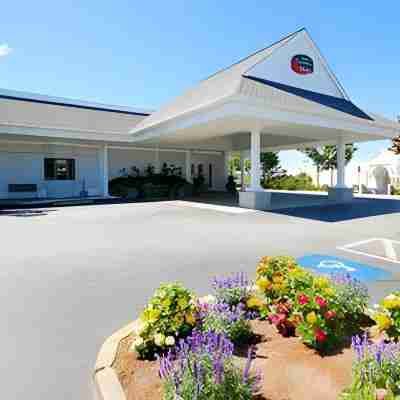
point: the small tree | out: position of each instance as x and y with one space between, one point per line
234 164
325 158
271 165
316 155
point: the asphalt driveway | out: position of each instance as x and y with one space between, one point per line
71 276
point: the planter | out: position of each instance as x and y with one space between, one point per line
290 369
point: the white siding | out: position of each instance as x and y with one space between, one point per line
24 164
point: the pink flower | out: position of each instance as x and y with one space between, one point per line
320 335
330 314
277 319
303 299
381 394
321 301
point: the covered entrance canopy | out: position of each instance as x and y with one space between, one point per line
282 97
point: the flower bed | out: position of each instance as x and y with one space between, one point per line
272 339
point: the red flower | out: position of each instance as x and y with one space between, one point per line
330 314
321 301
320 335
277 319
303 299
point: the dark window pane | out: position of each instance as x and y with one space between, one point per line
48 168
59 169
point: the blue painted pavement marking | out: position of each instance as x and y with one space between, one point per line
327 265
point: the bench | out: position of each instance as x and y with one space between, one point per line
22 187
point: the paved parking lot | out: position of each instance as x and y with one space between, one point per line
71 276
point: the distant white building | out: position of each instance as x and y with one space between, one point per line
375 176
381 172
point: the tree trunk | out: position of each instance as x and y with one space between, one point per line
318 176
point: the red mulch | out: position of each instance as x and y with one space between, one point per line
291 371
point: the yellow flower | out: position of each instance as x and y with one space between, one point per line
329 291
178 320
311 318
154 315
321 282
166 303
391 302
150 315
254 302
190 319
182 303
263 283
383 321
297 273
277 278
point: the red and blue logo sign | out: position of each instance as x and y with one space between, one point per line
302 64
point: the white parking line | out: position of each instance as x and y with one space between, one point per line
213 207
389 249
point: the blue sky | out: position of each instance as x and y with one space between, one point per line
143 54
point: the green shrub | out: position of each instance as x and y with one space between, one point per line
352 299
301 181
231 289
229 321
169 315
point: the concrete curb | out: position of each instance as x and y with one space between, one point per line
105 379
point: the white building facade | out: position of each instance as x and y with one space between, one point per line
59 148
282 97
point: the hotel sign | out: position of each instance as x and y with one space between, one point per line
302 64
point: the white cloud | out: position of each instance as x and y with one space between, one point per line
5 50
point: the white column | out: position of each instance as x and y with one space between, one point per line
341 163
157 167
104 170
255 150
242 162
188 166
228 156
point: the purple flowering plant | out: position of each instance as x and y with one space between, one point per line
202 367
221 318
376 367
352 299
232 289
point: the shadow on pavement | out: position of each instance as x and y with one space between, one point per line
25 213
358 208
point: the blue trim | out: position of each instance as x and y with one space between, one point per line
56 103
336 103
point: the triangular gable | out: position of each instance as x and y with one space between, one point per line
298 63
337 103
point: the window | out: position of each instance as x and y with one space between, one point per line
59 169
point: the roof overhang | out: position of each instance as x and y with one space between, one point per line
230 119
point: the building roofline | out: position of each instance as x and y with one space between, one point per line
256 52
64 102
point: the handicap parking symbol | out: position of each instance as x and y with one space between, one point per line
328 265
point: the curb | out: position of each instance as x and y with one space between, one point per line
105 379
